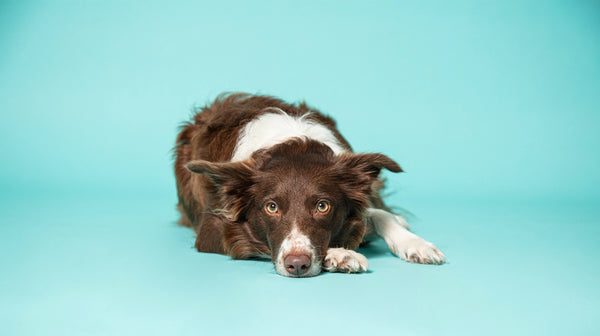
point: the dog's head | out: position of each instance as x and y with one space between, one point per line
294 201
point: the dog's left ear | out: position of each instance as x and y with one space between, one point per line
370 164
359 172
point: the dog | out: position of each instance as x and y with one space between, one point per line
261 178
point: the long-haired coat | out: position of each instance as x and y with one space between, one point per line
258 177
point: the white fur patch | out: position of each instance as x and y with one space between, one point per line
403 243
271 129
297 242
342 260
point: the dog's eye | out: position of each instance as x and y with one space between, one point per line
271 207
322 206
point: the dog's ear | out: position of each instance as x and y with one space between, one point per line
359 171
370 164
223 174
232 179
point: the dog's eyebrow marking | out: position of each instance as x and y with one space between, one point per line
274 128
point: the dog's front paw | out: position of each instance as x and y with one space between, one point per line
420 251
343 260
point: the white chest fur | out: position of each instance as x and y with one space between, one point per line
273 128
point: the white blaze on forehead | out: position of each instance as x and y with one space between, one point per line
274 128
298 243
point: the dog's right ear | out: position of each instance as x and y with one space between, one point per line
222 173
232 179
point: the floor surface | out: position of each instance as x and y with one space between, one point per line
122 267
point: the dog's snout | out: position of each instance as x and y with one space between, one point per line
297 264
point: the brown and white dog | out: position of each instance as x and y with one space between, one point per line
258 177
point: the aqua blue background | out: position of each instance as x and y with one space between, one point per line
492 108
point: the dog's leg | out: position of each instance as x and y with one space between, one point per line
403 243
209 237
342 260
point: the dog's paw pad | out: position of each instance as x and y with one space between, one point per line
421 252
343 260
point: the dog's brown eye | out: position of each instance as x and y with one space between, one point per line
322 206
271 207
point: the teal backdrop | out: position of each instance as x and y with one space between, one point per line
492 109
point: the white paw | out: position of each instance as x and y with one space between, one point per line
418 250
343 260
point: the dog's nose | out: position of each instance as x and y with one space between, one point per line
297 264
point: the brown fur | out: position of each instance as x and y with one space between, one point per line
224 201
